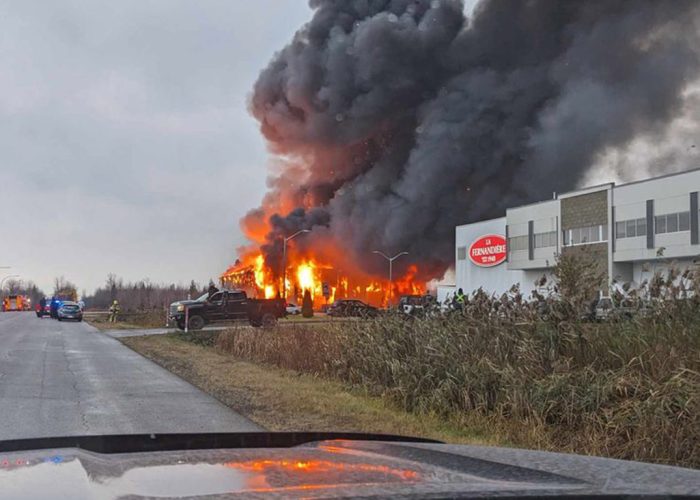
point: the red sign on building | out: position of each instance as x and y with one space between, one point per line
488 251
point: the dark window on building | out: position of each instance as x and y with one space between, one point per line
462 253
517 243
641 227
660 224
544 240
620 229
672 223
584 235
630 228
576 236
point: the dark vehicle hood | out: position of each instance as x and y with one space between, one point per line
322 468
188 303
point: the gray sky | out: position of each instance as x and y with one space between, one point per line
125 142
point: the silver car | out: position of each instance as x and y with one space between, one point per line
70 311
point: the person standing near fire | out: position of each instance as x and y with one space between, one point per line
459 300
114 310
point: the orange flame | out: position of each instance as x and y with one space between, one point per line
306 277
325 283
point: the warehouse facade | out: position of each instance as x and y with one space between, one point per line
632 230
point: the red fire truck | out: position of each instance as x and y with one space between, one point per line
16 303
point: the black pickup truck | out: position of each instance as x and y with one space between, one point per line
226 305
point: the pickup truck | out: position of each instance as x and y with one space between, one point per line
226 305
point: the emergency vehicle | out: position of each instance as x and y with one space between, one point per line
16 303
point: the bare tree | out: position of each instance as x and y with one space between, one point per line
65 289
19 287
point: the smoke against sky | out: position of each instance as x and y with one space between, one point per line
393 121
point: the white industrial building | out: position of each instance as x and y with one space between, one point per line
633 229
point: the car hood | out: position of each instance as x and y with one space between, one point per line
186 303
336 467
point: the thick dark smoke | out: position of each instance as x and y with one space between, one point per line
397 120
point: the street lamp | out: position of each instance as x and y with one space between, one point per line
391 266
284 261
2 282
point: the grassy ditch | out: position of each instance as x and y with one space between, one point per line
285 400
628 389
127 320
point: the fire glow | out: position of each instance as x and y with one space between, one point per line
324 281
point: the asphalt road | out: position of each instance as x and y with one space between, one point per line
63 379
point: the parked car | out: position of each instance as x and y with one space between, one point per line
417 305
352 308
43 311
70 311
293 309
226 305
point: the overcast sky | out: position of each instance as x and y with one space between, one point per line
125 142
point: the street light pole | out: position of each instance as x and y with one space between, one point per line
391 269
284 261
2 282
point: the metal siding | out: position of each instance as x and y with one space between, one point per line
694 229
507 245
650 223
531 240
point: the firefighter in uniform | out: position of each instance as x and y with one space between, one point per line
459 299
114 311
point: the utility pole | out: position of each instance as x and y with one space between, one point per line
284 261
391 265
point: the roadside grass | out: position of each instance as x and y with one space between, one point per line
296 318
499 370
627 389
127 321
285 400
156 319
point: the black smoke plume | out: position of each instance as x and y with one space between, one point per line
395 120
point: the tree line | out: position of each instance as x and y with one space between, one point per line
22 287
140 295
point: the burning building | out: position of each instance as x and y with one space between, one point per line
324 282
390 123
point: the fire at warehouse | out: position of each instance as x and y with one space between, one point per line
391 123
324 282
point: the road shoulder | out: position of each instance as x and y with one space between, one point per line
282 400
